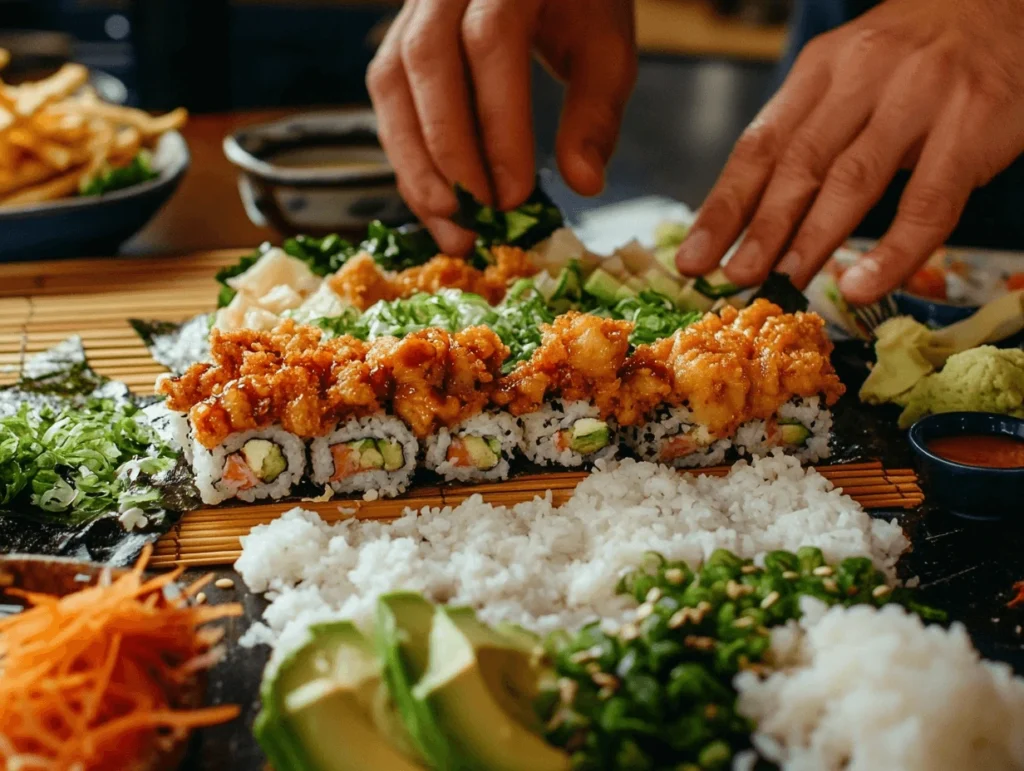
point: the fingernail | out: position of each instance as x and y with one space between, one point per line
746 263
790 264
451 239
692 251
594 158
861 280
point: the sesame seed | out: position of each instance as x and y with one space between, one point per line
790 575
200 598
881 591
679 618
823 570
629 632
733 590
224 583
748 569
770 600
604 680
830 585
644 611
743 623
699 643
654 595
567 689
674 576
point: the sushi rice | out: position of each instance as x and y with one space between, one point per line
210 466
548 435
497 434
366 442
758 438
673 438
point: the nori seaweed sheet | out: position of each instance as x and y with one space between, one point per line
175 345
57 378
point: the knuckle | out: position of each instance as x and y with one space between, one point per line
853 172
383 74
759 146
805 157
930 206
485 27
419 49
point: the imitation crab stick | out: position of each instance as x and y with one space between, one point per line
93 680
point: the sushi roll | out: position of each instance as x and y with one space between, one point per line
478 449
567 434
673 437
800 428
373 453
250 466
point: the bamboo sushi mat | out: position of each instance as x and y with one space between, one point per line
43 303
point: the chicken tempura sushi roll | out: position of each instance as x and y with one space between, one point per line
567 434
373 453
477 449
250 466
674 438
801 428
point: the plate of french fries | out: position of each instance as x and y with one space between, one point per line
64 150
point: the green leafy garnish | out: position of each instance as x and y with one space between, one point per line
524 226
449 309
135 173
399 248
76 462
655 316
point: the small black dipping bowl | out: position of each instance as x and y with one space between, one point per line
972 492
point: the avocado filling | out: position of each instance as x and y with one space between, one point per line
265 458
793 433
479 452
366 455
586 436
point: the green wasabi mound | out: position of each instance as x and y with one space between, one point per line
984 379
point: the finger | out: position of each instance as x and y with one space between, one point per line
600 79
496 36
929 209
828 130
425 191
431 52
732 200
860 175
451 239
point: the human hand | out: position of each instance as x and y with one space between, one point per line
451 87
932 85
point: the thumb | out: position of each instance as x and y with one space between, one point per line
600 80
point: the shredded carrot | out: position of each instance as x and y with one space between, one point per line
98 679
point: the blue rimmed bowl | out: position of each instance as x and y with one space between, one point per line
972 492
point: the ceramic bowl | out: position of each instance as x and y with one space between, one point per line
316 173
93 226
971 492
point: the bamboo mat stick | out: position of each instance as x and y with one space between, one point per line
211 536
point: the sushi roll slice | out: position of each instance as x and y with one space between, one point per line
673 437
250 466
478 449
568 434
375 453
800 428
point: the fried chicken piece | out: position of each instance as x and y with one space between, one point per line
579 357
435 378
362 283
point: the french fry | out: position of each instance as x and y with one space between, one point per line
126 146
146 124
51 190
24 175
30 98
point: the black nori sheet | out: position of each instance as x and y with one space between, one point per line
56 378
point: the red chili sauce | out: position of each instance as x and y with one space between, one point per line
983 451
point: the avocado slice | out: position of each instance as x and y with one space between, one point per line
480 687
715 285
482 452
793 432
589 435
404 620
602 285
631 287
661 283
370 458
391 452
265 458
570 285
666 257
691 300
325 708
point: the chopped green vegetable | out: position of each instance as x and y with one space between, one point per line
79 462
135 173
655 316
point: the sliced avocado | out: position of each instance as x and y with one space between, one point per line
404 620
480 686
691 300
793 432
494 443
265 459
325 708
391 451
357 446
371 458
602 285
666 257
589 435
716 285
480 452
